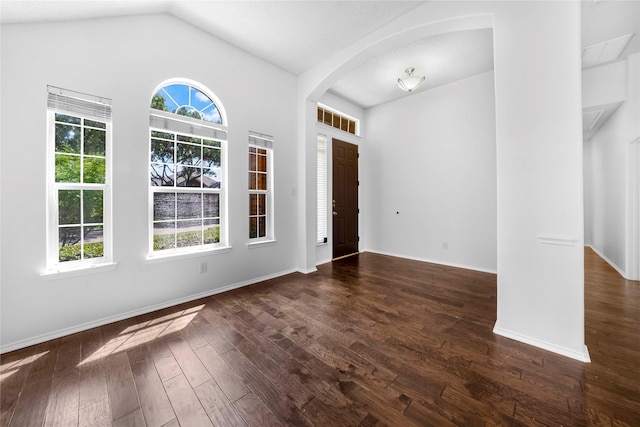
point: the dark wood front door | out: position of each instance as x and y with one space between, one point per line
345 198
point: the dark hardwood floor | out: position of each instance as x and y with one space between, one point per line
368 340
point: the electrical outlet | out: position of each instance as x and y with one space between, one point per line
445 245
203 267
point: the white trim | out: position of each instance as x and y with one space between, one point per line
78 270
432 261
259 243
633 212
604 257
307 270
554 239
323 261
582 356
145 310
172 255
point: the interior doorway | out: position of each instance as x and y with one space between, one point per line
345 198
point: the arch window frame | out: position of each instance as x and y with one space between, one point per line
187 205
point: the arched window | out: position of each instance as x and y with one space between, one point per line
187 135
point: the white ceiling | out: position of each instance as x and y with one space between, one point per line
443 59
297 35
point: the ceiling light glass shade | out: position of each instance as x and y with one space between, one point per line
410 82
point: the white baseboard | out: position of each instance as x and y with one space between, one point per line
582 356
433 261
611 263
148 309
307 270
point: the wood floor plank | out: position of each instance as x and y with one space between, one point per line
151 393
97 414
255 413
64 397
189 411
123 397
228 381
193 370
217 405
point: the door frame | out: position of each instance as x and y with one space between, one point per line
633 211
331 200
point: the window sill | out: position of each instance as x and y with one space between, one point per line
178 256
322 243
63 273
260 243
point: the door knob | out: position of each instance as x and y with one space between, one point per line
335 213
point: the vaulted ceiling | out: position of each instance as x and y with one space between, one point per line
298 35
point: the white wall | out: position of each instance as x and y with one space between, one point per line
124 59
608 199
429 170
324 252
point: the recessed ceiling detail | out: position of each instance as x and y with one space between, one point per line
604 52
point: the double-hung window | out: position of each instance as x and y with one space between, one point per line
187 140
260 187
79 175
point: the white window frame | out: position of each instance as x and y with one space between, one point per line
83 106
163 121
262 141
322 189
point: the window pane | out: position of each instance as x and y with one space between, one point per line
189 154
188 177
94 141
93 242
253 163
344 124
92 206
163 135
320 114
253 181
262 162
262 181
191 139
211 143
211 207
210 179
67 138
189 205
262 226
253 204
162 175
211 228
327 117
67 119
164 235
94 170
164 206
211 157
68 207
189 233
161 151
262 203
253 227
68 244
95 124
352 127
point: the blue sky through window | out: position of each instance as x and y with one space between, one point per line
181 95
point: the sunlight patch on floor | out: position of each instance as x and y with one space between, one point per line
145 332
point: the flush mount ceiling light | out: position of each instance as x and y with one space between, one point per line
410 82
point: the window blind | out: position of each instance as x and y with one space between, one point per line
174 123
321 147
82 104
